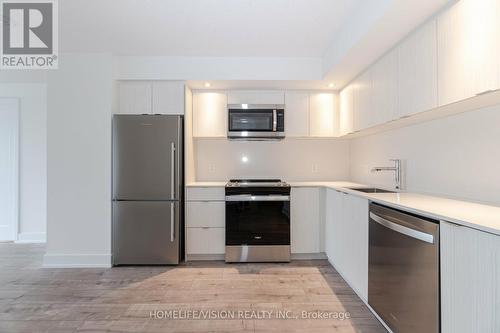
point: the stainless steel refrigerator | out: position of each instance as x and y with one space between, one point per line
147 189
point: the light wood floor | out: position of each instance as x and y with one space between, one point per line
35 299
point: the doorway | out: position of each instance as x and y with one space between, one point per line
9 168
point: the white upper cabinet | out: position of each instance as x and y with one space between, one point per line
296 114
323 115
346 110
384 91
209 114
468 49
134 97
255 97
161 97
363 107
417 71
168 97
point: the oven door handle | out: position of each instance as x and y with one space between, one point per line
247 197
428 238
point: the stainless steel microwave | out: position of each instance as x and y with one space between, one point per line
256 121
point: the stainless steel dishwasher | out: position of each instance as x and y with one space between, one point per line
403 271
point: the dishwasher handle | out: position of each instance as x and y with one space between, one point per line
425 237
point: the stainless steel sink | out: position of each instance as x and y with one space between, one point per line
370 190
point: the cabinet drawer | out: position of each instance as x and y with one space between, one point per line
205 194
205 214
206 240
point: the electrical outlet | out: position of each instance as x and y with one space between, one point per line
314 168
211 168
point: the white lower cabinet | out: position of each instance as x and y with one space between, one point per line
205 221
305 220
470 280
205 240
346 240
205 194
205 214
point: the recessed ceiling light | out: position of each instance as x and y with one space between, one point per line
207 84
244 159
331 85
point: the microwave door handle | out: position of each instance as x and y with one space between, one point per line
275 120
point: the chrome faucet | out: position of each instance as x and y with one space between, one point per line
397 172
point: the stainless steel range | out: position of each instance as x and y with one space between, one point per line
257 220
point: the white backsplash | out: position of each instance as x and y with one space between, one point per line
289 159
457 156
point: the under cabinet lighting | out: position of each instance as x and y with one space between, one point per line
244 106
207 84
331 85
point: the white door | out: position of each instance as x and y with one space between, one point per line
9 166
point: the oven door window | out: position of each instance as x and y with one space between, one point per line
251 120
258 223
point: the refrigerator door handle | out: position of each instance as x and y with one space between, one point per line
172 170
172 222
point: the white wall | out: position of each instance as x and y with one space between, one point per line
9 168
32 151
289 159
457 156
79 161
217 68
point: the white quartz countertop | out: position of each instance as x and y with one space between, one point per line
206 184
478 216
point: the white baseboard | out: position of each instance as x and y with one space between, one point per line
6 233
31 237
77 260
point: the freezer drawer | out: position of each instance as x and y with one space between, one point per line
145 232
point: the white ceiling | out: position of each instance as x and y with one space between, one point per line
310 43
269 28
